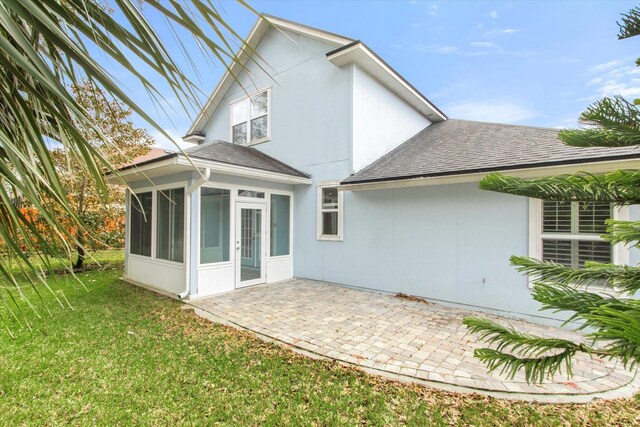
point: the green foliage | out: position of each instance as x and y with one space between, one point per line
592 294
617 121
48 47
620 187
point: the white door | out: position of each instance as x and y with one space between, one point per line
250 244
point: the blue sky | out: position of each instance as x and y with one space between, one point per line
531 63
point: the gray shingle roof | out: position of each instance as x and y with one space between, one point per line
459 146
233 154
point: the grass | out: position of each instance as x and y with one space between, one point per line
125 356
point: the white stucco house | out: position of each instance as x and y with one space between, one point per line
335 168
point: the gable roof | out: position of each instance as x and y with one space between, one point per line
227 153
260 28
240 155
348 50
457 147
359 53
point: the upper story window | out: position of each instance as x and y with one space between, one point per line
250 122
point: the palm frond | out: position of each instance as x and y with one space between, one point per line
613 122
622 231
514 351
622 278
47 47
620 187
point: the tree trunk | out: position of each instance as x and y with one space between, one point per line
81 253
80 237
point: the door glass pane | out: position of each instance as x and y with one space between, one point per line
250 193
214 225
250 244
280 209
141 224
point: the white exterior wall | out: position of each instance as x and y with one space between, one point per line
381 119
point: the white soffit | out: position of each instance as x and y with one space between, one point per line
371 63
258 31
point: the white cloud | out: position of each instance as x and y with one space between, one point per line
567 123
167 144
499 111
502 32
493 14
613 78
434 10
484 44
600 68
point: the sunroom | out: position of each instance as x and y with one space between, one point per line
218 219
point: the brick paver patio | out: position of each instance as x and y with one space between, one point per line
412 339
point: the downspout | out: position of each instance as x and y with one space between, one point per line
204 177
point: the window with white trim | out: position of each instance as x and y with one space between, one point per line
330 218
250 119
571 232
140 229
170 225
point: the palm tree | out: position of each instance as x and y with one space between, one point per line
612 321
48 46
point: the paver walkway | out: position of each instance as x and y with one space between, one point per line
413 339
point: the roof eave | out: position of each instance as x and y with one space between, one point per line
360 54
179 162
468 176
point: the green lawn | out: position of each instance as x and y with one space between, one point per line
125 355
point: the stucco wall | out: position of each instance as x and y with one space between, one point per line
310 103
450 243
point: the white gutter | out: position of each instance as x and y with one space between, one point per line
204 177
537 172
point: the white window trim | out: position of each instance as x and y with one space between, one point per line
154 230
620 252
231 124
234 198
330 237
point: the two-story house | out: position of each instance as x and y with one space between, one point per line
331 166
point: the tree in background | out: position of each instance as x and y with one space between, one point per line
104 223
50 46
612 322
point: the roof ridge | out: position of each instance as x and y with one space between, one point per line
504 124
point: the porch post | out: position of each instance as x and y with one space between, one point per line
194 228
